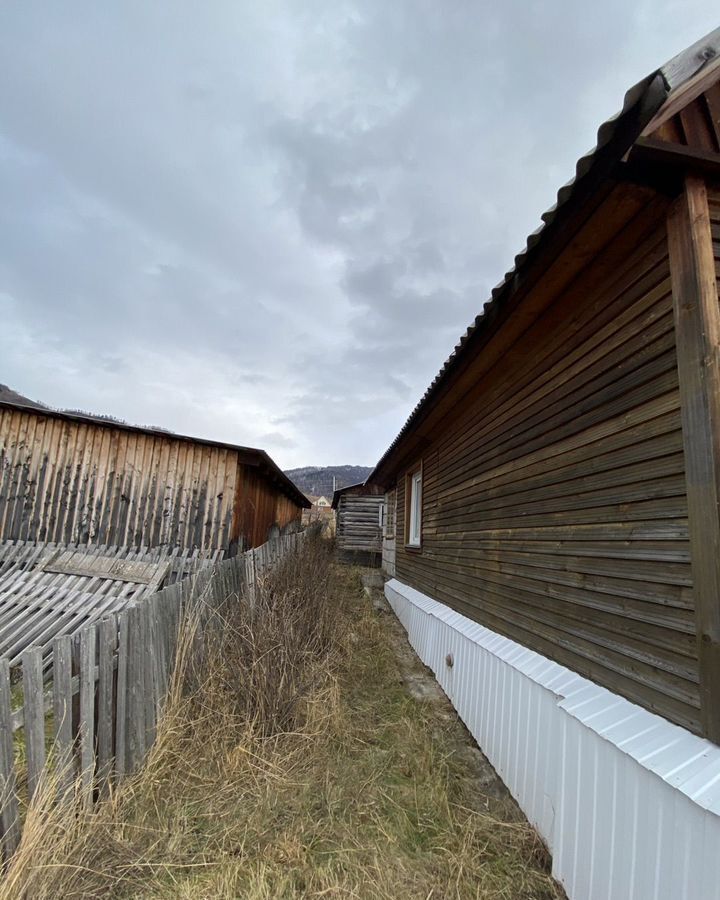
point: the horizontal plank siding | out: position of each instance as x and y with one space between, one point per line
358 523
554 497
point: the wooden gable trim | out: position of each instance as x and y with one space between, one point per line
685 95
697 325
662 165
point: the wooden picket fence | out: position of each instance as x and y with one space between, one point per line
105 690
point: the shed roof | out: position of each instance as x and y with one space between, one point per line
615 137
250 456
361 487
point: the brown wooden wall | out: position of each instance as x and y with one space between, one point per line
714 205
66 481
259 505
554 498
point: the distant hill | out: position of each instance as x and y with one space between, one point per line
11 396
318 480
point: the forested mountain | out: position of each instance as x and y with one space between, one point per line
318 480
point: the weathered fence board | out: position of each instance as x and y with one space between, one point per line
62 710
87 712
9 821
119 665
107 643
34 709
50 589
123 658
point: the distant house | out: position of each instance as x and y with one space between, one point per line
358 530
320 510
70 478
556 547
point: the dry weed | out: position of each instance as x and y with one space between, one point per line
291 762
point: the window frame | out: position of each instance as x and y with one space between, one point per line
414 508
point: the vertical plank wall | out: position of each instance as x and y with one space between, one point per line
258 506
68 481
554 498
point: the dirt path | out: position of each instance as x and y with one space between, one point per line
373 788
483 782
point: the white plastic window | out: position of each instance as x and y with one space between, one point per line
415 523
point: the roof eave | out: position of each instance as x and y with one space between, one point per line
615 138
248 455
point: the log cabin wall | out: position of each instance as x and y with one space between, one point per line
358 533
554 497
65 480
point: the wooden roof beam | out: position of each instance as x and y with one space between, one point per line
670 162
697 329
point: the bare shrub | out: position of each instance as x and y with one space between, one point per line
254 659
290 762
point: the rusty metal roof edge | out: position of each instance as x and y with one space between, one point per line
646 98
273 471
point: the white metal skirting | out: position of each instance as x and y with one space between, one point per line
628 803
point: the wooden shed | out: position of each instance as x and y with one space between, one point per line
358 529
71 478
559 484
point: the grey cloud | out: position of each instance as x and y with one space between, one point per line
239 220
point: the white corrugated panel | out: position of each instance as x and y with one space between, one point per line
628 803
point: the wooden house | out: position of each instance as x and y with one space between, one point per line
358 529
72 478
320 511
556 547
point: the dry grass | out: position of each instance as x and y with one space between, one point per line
291 763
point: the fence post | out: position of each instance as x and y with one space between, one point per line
135 712
34 712
9 822
148 659
62 711
122 701
107 642
87 712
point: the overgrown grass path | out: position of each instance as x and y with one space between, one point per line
364 785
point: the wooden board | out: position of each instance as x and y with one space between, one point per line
697 318
91 565
69 481
44 593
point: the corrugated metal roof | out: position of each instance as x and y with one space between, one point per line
615 136
340 491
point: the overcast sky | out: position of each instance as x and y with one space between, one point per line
268 223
